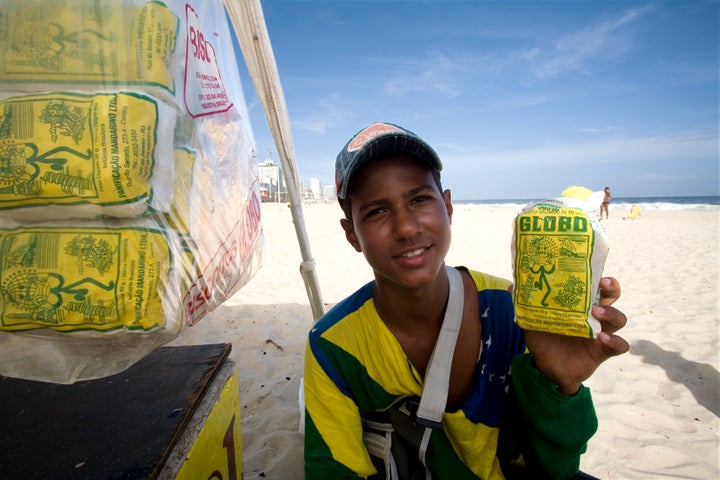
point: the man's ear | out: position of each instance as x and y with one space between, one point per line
348 227
448 203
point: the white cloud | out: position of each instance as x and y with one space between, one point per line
325 113
529 54
606 130
434 74
521 101
682 147
577 49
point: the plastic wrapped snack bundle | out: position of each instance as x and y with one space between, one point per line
559 249
68 290
129 194
89 45
72 155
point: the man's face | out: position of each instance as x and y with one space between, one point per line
400 220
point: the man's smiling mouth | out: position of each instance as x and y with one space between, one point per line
414 253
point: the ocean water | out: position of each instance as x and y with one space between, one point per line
623 204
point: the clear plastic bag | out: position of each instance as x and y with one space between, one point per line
129 202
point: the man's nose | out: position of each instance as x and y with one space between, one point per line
405 224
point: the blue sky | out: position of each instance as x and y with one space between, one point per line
519 99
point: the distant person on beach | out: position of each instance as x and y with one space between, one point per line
605 203
514 406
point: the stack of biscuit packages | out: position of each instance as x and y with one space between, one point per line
129 203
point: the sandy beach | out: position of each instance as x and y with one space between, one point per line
658 405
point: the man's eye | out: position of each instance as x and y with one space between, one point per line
373 212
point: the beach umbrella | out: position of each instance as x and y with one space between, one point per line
248 22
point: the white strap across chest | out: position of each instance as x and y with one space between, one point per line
437 380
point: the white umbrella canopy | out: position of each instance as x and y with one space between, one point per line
248 22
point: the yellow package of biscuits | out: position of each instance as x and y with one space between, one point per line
559 249
73 155
86 44
89 278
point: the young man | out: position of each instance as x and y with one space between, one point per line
508 412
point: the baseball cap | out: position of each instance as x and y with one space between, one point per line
373 141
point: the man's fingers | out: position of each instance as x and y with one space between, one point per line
613 345
609 291
611 319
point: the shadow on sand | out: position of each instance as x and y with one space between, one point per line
702 379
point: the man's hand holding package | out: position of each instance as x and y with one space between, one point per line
568 361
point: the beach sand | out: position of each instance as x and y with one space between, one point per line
658 405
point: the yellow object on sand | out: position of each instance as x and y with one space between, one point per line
634 213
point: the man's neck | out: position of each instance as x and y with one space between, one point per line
412 309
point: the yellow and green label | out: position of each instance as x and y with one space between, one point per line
553 270
70 279
92 42
74 149
179 214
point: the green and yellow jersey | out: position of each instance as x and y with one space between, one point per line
354 366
